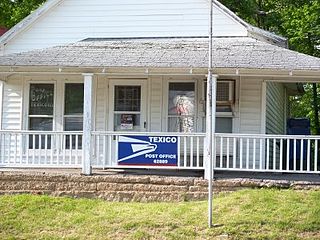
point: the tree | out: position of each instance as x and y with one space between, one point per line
302 26
13 11
299 21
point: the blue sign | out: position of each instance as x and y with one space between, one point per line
148 150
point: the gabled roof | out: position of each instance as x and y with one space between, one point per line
240 53
50 4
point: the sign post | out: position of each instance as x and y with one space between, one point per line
211 120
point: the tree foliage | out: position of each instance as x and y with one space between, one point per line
13 11
299 21
303 106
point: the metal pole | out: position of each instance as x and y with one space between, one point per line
209 120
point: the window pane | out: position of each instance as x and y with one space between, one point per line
223 125
41 99
73 123
40 124
73 103
181 99
127 98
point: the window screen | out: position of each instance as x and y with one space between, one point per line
223 91
127 98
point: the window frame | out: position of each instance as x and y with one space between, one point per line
232 93
166 106
28 116
233 85
231 102
64 116
143 83
27 104
69 141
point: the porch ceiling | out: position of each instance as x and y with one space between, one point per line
228 53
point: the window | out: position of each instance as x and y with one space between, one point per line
225 96
181 107
127 108
225 105
73 112
41 101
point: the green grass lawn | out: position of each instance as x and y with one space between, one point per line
249 214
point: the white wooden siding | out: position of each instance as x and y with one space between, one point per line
275 108
12 105
250 115
74 20
101 104
250 105
156 104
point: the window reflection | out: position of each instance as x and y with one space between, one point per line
181 108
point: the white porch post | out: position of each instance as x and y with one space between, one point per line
87 123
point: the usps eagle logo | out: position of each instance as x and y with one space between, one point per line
138 147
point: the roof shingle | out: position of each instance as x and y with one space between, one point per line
242 52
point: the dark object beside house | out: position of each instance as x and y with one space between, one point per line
298 126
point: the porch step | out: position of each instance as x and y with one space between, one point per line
126 187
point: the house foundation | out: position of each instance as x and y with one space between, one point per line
112 186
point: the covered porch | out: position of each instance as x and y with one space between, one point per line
77 107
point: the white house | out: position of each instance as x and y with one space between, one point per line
122 84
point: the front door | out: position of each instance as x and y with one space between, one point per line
127 105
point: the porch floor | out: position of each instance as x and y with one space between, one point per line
225 175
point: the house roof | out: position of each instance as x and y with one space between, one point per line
242 52
50 4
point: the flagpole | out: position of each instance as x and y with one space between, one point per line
209 124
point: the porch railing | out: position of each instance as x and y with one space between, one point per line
234 152
190 149
40 149
268 153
